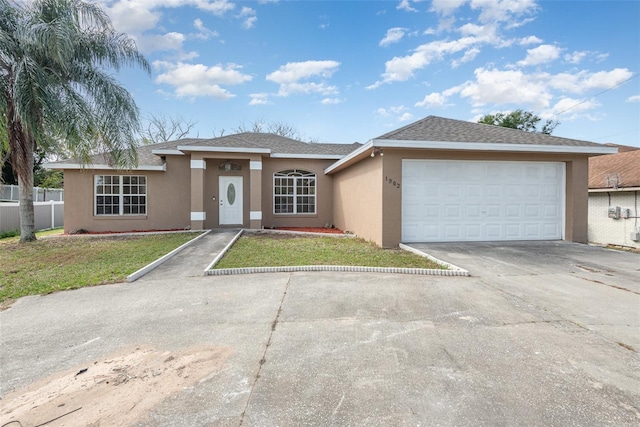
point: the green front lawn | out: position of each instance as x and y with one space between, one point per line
270 250
67 262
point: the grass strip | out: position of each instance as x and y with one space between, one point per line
54 264
271 250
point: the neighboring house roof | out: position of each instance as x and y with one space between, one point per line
439 133
149 156
615 171
622 148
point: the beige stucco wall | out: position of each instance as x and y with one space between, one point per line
168 200
377 181
324 196
358 199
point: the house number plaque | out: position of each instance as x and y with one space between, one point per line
392 181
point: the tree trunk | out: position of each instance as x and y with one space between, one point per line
25 183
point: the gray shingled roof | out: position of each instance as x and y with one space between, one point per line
433 128
277 144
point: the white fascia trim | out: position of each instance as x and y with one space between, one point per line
613 190
168 152
488 146
345 159
198 216
255 215
198 164
92 166
306 156
225 149
255 165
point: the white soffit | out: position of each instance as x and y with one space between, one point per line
488 146
224 149
106 167
168 152
306 156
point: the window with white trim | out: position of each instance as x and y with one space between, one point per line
294 192
120 195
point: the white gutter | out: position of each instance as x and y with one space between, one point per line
225 149
489 146
607 190
306 156
93 166
164 152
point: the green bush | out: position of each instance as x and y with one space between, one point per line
9 233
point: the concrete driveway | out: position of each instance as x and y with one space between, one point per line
542 334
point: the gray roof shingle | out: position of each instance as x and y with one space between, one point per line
433 128
277 144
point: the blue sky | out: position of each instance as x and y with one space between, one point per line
345 71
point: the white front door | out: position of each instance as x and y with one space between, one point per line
230 200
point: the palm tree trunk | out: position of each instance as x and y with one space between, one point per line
25 187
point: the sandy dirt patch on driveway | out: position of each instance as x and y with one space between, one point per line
117 390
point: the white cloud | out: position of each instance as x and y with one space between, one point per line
540 55
289 77
160 42
499 87
468 56
249 22
433 100
406 5
402 68
249 16
583 81
634 98
405 117
540 91
259 99
503 10
446 7
525 41
570 108
331 101
399 112
575 57
294 71
394 35
203 32
199 80
138 18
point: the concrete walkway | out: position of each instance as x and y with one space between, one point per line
192 261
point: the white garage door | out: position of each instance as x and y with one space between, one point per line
456 200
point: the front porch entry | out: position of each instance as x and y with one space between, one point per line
230 200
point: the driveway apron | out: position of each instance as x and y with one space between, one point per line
510 346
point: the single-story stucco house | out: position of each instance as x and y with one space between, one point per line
614 187
434 180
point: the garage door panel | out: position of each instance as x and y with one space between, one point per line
451 200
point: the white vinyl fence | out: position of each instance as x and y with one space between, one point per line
47 215
9 193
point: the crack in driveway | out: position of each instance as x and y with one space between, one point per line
263 360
